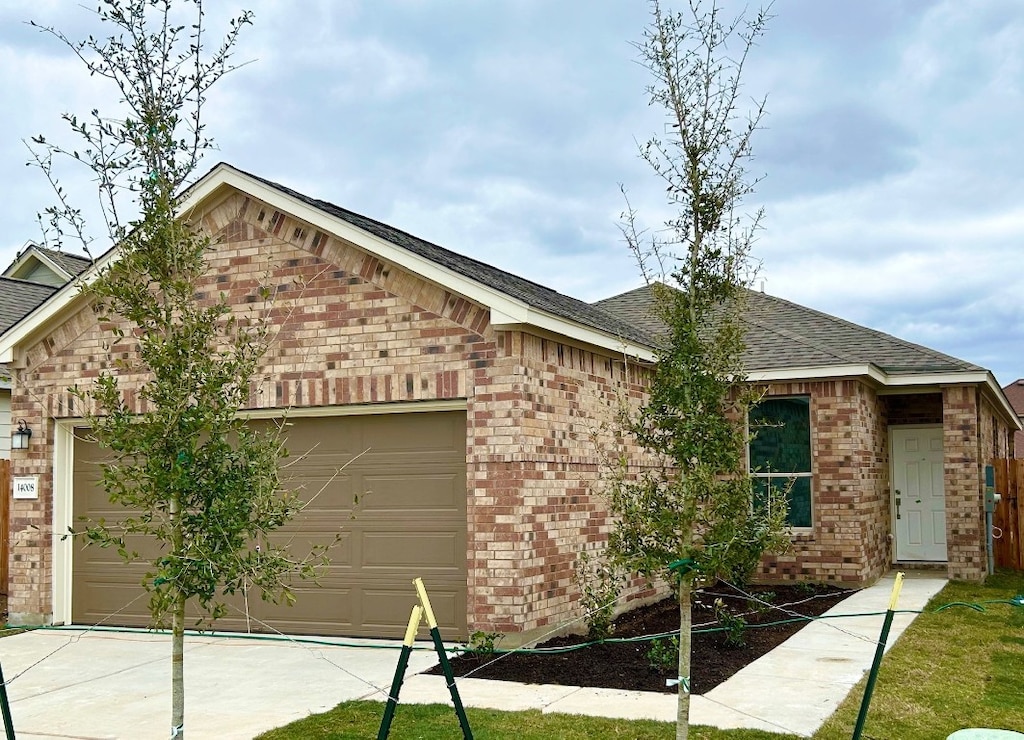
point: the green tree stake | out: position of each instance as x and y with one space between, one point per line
446 667
5 706
403 663
879 652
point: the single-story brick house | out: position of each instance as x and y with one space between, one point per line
472 395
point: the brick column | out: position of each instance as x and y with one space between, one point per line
965 532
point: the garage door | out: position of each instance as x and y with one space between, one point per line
410 521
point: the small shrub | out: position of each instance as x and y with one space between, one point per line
808 588
663 654
484 643
599 583
734 626
764 602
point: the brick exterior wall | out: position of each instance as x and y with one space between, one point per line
351 329
963 481
848 542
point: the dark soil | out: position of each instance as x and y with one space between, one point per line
619 665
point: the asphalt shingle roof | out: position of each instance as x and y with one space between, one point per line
72 264
530 293
18 298
781 334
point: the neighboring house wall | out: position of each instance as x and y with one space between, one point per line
350 329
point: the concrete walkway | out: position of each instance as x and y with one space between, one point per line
106 685
793 689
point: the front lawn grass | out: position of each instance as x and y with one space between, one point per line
953 669
361 720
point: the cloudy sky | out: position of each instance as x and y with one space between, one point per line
891 155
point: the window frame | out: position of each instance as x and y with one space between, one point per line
785 477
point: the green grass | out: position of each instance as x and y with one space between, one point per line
952 669
361 720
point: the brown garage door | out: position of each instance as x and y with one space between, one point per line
411 521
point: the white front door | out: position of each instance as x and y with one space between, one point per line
919 498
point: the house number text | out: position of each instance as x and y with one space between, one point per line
27 487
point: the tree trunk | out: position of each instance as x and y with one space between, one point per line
178 669
177 631
685 625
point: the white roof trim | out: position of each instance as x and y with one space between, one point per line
893 380
506 312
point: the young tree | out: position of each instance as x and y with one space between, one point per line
192 476
691 516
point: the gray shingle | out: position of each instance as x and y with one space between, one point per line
18 298
72 264
781 334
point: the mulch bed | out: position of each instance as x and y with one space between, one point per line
626 665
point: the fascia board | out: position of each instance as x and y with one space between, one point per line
895 381
817 372
505 311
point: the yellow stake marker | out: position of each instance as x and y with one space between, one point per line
421 591
896 590
414 624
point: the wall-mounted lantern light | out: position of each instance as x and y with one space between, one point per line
21 436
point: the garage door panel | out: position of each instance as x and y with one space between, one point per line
416 432
444 491
382 606
301 542
431 550
410 521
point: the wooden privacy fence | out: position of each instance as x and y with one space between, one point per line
1009 514
5 521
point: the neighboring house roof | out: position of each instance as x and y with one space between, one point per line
48 266
781 334
1015 395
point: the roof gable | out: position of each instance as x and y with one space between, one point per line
46 266
530 293
513 302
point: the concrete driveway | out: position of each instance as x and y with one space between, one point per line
92 685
